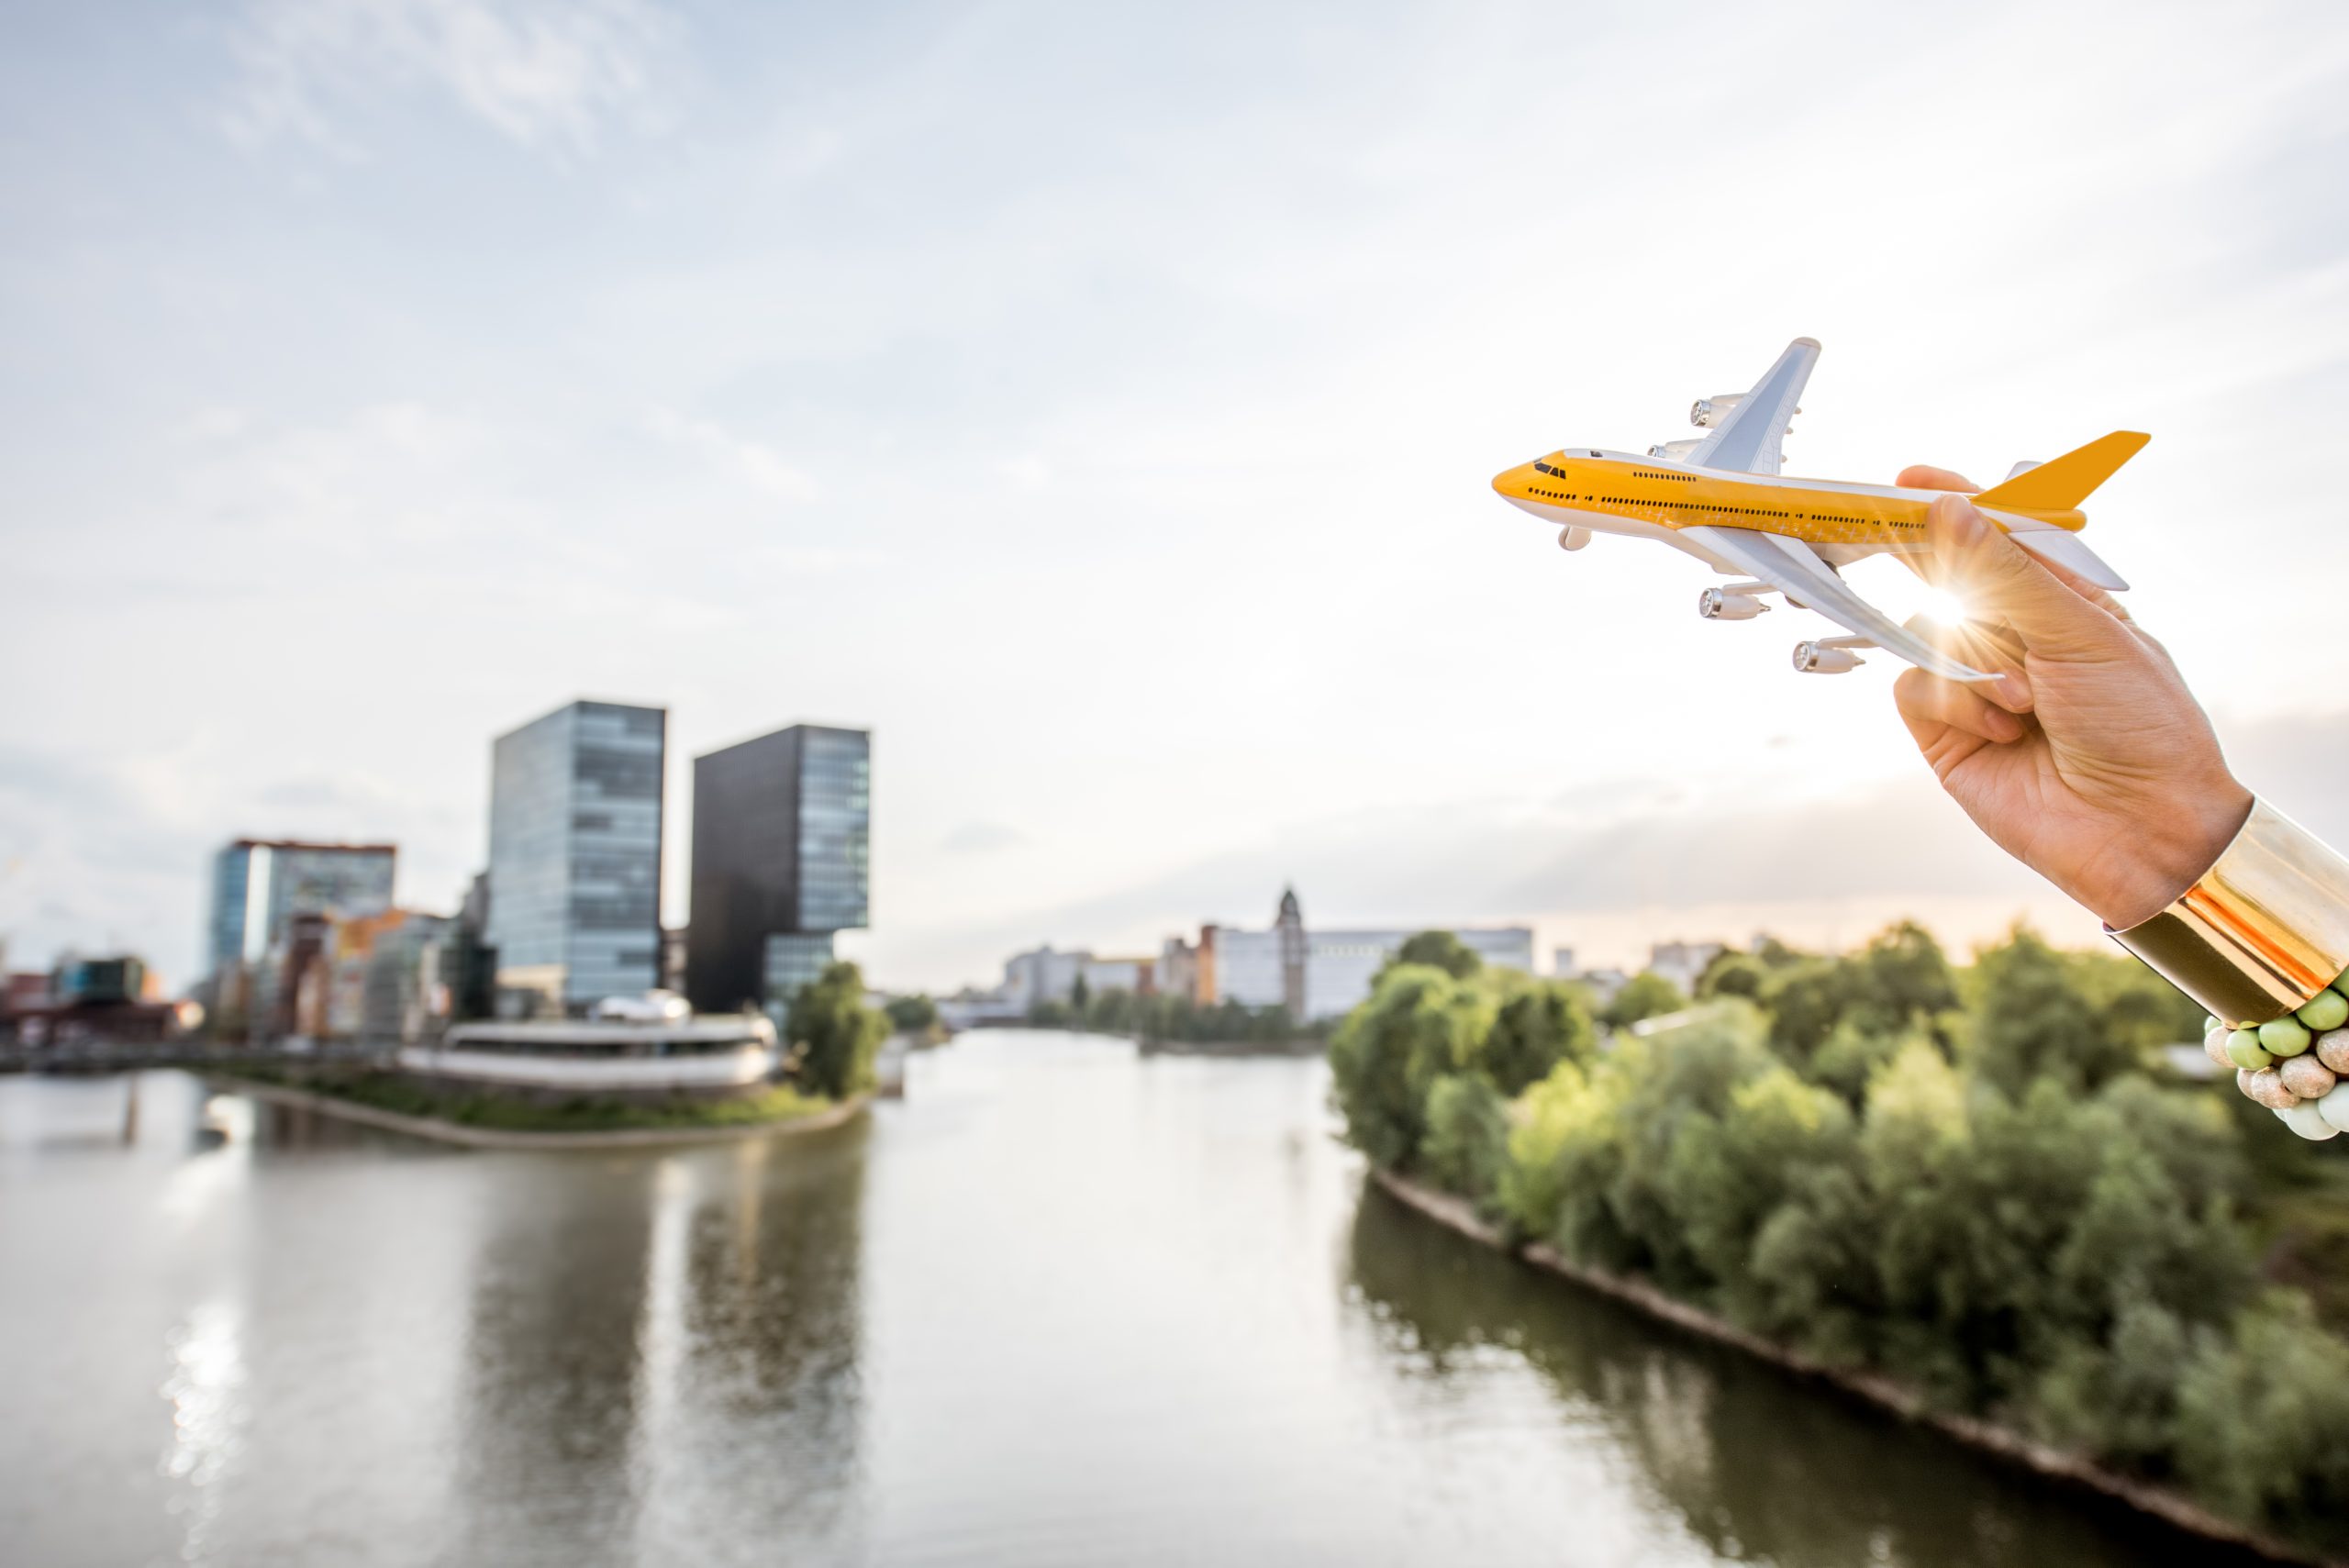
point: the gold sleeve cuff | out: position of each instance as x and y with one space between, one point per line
2263 931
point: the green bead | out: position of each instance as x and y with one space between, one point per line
2245 1051
2326 1011
2211 1026
2284 1037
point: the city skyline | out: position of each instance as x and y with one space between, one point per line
1104 414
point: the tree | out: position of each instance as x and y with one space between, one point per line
1467 1137
833 1033
1418 1023
1733 974
1079 994
1539 1026
2030 1021
1646 995
916 1014
1439 949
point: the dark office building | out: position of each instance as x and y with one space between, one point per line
781 860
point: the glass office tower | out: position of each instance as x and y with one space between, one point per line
574 857
259 884
781 862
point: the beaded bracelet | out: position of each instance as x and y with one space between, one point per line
2297 1065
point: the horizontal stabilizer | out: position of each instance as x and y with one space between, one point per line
2064 483
2070 552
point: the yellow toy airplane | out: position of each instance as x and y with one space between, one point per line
1721 498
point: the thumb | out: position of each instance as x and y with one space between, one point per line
2000 580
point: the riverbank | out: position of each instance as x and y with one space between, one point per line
1304 1045
442 1130
1458 1215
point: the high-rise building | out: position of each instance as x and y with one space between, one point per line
258 883
574 857
782 860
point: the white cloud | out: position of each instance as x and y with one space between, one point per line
545 72
755 464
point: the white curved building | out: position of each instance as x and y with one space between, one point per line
707 1056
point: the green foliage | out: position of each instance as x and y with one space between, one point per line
1467 1136
1733 974
832 1033
1538 1024
1178 1018
2264 1421
1437 950
1860 1005
916 1014
1646 995
2078 1019
1961 1180
1418 1023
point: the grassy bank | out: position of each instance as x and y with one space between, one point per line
403 1095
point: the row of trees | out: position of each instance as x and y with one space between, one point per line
1167 1019
1975 1181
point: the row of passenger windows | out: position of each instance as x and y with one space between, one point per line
1722 511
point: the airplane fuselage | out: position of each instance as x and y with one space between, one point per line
1618 493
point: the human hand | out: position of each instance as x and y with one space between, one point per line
2092 764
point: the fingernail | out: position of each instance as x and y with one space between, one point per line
2014 693
1955 515
2002 724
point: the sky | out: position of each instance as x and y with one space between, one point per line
1100 403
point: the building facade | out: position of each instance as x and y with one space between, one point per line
1314 973
1049 975
782 862
258 883
574 858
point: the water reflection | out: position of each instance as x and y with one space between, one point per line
1757 1465
662 1354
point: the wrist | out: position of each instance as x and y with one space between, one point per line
2168 855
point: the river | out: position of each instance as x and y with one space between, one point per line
1062 1305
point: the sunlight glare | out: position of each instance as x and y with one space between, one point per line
1940 604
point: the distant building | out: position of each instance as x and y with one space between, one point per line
1261 969
78 980
1047 974
782 862
617 1055
1288 932
90 1001
574 858
258 883
1562 963
1682 962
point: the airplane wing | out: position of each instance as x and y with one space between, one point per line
1748 440
1795 570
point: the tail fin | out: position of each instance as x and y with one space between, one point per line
2066 482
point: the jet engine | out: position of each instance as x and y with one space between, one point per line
1707 411
1817 659
1671 449
1721 603
1572 537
